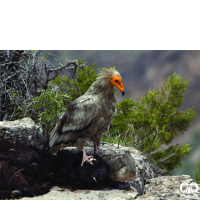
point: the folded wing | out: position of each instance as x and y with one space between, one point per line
73 121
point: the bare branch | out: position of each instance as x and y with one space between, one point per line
23 74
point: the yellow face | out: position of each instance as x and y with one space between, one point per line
117 82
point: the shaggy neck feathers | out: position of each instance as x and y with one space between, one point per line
102 85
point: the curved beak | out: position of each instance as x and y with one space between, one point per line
123 92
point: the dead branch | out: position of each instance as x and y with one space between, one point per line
23 74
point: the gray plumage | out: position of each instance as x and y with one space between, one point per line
90 115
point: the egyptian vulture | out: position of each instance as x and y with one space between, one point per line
90 115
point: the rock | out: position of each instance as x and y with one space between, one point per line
127 164
166 188
58 193
157 171
23 131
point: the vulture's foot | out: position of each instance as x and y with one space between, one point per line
86 158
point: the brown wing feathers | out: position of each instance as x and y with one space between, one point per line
76 119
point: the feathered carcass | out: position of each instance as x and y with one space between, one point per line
28 171
90 115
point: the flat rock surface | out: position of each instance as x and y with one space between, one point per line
58 193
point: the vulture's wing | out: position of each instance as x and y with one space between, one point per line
78 116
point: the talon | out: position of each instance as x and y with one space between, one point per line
86 158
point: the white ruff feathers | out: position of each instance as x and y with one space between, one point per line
105 75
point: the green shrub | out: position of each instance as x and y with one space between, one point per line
46 108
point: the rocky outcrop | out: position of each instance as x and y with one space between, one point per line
23 131
127 164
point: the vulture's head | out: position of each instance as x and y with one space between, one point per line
111 77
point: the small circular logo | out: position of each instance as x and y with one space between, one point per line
189 188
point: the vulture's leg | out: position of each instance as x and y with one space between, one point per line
95 147
86 158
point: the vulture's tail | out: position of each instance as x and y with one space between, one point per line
54 137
